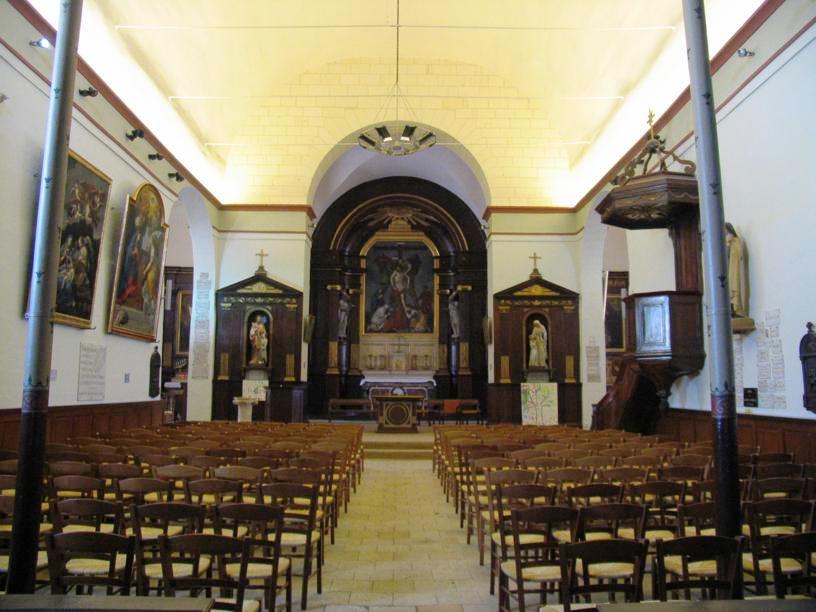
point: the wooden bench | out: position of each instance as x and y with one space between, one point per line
459 410
344 408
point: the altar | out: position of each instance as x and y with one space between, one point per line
397 413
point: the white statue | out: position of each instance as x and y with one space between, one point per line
737 279
453 313
538 346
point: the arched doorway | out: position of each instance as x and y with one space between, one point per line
399 292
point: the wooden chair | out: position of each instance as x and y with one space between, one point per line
779 470
300 538
699 562
143 490
775 488
788 550
606 566
197 554
6 520
607 521
90 559
179 476
149 522
112 473
661 498
774 458
594 493
697 519
266 568
767 519
70 487
566 478
534 557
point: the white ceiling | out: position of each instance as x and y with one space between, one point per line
257 94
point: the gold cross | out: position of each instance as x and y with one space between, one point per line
261 254
650 121
535 259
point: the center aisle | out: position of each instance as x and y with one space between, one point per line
400 547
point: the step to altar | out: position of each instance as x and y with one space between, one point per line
398 446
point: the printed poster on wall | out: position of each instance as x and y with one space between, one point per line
539 403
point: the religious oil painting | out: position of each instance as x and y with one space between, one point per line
184 315
137 283
83 223
617 285
399 289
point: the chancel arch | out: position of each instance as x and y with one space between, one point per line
408 258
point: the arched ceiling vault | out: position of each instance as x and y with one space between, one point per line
254 96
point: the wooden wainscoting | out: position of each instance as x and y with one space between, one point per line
84 420
771 434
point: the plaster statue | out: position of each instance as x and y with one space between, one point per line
453 313
259 340
343 310
538 346
737 277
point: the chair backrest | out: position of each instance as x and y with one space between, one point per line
77 486
802 548
774 458
299 503
609 518
724 553
71 555
87 514
593 493
698 518
139 488
779 470
212 491
223 551
575 583
70 468
778 487
625 476
532 531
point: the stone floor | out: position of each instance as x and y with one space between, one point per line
400 547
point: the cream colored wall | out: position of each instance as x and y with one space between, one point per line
22 125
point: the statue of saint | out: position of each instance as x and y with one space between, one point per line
343 310
453 313
258 340
737 279
538 346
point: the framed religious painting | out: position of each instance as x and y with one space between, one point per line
399 289
137 283
184 315
83 223
617 285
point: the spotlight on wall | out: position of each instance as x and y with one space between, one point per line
88 93
134 134
155 157
175 176
743 52
42 43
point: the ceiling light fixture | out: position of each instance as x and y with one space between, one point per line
42 43
743 52
175 176
134 134
88 93
396 138
155 157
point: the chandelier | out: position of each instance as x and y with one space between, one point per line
396 138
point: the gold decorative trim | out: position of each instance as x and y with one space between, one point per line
536 290
504 369
290 368
259 287
569 367
223 366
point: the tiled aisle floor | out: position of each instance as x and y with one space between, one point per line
400 547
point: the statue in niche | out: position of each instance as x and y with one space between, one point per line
453 313
538 345
737 278
258 340
344 307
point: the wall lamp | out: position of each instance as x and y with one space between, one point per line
155 157
42 43
134 134
88 93
175 176
743 52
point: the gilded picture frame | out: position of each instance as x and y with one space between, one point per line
82 232
184 317
137 282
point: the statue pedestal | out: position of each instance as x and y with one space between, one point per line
245 405
742 325
537 375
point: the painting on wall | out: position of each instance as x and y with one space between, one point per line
137 284
617 285
83 223
184 315
400 293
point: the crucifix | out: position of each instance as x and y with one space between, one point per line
650 121
535 259
261 254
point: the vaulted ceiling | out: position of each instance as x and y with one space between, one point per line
539 97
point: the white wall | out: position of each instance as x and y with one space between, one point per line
22 130
766 134
179 243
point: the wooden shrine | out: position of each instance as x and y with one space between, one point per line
258 331
518 311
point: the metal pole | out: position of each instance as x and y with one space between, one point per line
43 288
715 274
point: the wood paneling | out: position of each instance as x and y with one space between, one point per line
771 434
66 422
